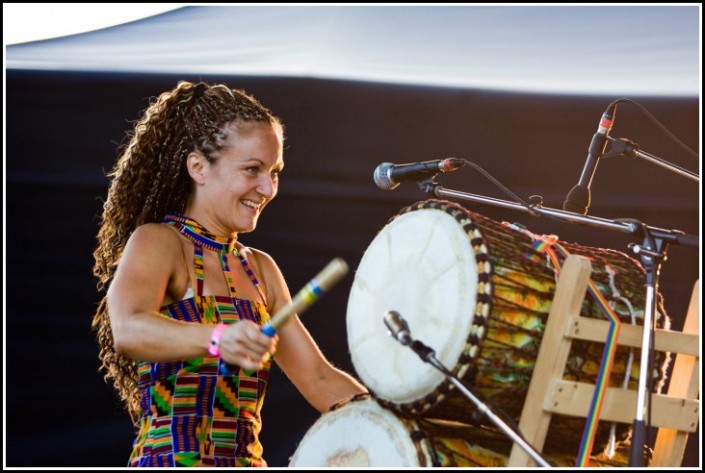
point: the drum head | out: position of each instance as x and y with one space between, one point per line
359 434
423 266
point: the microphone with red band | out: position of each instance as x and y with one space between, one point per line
387 176
578 199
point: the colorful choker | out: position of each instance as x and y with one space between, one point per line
198 233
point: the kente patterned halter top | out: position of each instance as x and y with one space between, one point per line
192 414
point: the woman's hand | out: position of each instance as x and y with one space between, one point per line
243 344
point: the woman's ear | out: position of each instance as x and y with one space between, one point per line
196 164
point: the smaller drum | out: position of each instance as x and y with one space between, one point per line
362 433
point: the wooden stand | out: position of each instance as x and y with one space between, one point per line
676 414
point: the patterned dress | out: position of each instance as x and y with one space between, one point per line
199 412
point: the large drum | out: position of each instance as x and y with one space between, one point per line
478 292
360 432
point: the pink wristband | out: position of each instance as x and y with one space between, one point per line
214 347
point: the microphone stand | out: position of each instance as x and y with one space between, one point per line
653 252
429 356
431 187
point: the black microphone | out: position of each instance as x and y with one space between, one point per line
387 176
397 326
578 199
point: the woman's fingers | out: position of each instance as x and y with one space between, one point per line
244 344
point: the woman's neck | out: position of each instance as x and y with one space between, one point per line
195 230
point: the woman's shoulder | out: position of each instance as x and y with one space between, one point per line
152 249
155 236
258 258
268 274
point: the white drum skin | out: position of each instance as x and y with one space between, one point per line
360 434
422 266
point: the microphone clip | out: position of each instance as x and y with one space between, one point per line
429 186
621 147
426 353
641 250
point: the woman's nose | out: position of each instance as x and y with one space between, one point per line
267 186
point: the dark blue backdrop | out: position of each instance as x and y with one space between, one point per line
62 132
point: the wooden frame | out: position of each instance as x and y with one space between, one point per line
675 413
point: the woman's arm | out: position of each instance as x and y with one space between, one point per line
151 259
297 354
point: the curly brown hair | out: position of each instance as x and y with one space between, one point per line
150 179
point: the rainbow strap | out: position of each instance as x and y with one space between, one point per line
545 244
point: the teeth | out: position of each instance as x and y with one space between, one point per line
249 203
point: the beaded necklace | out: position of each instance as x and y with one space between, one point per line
202 238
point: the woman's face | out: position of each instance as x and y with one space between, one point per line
233 190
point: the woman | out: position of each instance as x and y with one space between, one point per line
179 328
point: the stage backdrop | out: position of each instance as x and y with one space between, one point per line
62 132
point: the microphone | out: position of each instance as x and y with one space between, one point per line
397 327
578 199
387 176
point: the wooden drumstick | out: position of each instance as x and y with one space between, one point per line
309 294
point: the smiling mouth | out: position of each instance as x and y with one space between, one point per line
252 205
